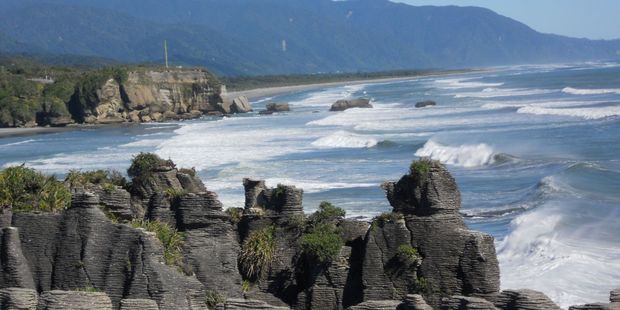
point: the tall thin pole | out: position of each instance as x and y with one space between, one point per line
166 52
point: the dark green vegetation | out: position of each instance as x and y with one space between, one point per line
27 190
257 252
240 37
322 241
421 167
213 298
171 239
144 164
106 178
407 253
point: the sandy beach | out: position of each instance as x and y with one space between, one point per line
16 132
282 90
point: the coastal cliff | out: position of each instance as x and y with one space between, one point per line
69 96
164 241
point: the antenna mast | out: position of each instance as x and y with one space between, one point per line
166 52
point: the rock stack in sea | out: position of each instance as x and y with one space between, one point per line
420 255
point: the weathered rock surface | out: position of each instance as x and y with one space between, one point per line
614 304
342 105
377 305
243 304
416 302
426 103
138 304
18 298
239 104
524 300
61 300
466 303
147 96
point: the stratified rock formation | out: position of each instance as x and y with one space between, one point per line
342 105
419 256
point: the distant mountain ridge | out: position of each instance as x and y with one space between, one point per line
240 37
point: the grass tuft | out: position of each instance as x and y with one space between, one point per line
171 239
257 252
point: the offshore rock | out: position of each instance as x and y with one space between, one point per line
426 103
275 107
524 300
239 104
342 105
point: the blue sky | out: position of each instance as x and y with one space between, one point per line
594 19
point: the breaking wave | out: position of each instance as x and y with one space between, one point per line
343 139
467 155
587 113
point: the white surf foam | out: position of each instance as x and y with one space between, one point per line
599 91
18 143
467 155
343 139
538 103
587 113
315 186
463 83
551 252
502 92
326 98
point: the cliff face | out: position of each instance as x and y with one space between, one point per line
420 256
145 96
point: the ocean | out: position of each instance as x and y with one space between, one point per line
535 151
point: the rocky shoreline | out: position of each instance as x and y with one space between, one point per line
99 253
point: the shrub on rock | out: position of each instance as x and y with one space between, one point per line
24 189
257 252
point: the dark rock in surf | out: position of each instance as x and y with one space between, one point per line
275 107
426 103
342 105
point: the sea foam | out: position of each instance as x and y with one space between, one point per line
587 113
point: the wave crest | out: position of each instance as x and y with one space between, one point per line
343 139
599 91
587 113
467 155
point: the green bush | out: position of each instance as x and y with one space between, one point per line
327 212
257 252
24 189
323 243
171 239
144 164
97 177
421 285
421 167
407 253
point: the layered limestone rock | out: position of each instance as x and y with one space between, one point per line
342 105
524 300
466 303
454 260
138 304
239 104
614 303
61 300
146 96
82 249
18 298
